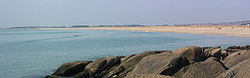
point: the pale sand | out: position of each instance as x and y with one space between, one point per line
241 31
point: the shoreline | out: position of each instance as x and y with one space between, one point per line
237 31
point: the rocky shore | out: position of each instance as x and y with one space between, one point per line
187 62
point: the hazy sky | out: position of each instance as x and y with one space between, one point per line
93 12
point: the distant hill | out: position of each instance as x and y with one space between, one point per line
237 23
80 26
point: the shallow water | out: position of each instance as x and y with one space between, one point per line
36 53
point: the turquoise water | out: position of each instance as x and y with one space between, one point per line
36 53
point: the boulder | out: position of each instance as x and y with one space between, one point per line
244 70
232 49
147 76
209 68
213 52
129 64
192 53
211 48
236 58
102 65
224 54
51 76
240 70
83 74
136 58
239 47
216 53
164 63
71 68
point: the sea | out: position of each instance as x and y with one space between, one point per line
35 53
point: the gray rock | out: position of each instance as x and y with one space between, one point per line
236 58
192 53
232 49
83 74
244 71
164 63
239 47
214 52
51 76
210 68
148 76
240 70
95 68
71 68
129 64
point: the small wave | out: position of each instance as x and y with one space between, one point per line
33 76
71 36
31 41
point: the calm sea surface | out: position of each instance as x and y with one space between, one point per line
36 53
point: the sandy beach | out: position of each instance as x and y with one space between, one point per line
241 31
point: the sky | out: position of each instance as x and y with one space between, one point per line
95 12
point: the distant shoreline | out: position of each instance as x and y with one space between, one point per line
238 31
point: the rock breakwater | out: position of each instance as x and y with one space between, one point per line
187 62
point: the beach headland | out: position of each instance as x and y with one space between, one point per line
240 31
187 62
